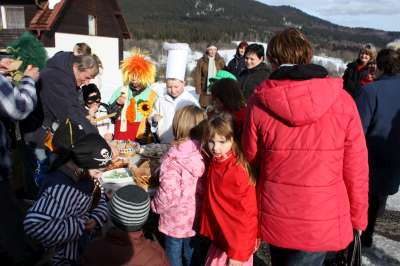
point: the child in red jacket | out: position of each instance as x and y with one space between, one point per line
229 213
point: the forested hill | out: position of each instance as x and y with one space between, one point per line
225 20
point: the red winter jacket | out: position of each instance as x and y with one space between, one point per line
307 141
229 213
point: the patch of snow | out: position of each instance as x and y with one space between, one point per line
384 252
393 203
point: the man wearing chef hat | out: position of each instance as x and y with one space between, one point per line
175 95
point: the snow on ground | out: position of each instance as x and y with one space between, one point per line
394 204
384 252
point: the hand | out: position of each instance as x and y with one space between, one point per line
115 152
121 99
258 244
32 72
232 262
108 137
92 120
90 225
4 64
156 118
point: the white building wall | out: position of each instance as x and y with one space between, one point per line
105 48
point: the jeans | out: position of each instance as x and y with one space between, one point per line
179 250
291 257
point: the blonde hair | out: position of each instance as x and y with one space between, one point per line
370 50
186 123
222 124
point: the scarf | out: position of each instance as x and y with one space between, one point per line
212 71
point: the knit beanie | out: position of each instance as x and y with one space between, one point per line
129 208
91 152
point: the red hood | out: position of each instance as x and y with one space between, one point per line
299 102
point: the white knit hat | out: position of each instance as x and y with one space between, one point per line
177 60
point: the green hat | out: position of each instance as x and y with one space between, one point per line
222 74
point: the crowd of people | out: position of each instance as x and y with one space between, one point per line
281 153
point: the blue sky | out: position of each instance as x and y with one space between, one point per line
378 14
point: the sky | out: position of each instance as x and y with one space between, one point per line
377 14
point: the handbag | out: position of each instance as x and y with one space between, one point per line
354 251
351 256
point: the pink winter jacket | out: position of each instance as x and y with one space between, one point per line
177 198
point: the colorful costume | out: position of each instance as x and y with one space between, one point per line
132 120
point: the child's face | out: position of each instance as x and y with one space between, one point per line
175 87
93 102
219 146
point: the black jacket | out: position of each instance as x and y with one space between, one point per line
352 78
250 78
59 98
236 65
379 108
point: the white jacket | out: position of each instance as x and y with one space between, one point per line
166 106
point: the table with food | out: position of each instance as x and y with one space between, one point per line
134 164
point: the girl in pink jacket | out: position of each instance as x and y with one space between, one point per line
181 173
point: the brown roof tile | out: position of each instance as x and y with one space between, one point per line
45 18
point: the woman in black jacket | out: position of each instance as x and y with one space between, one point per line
256 70
237 64
356 74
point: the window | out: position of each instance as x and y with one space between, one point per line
12 17
92 25
2 13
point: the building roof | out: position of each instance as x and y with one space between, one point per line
45 18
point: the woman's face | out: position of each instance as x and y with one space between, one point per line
219 146
212 51
241 51
83 77
252 60
364 58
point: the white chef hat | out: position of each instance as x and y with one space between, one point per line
177 60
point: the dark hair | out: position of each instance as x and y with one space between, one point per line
388 61
289 47
89 89
255 48
228 92
243 44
